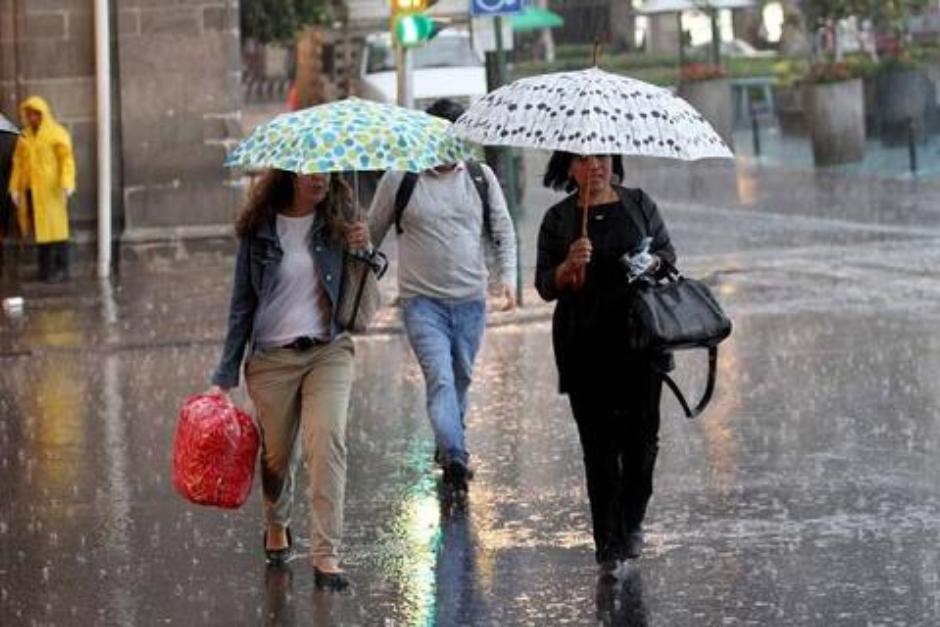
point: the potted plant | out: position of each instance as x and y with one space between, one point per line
833 95
927 56
834 103
902 86
706 87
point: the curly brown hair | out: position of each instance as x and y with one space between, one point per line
274 192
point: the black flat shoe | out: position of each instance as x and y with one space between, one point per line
635 541
330 581
277 557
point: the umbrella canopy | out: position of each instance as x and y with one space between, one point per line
535 18
591 112
7 127
350 135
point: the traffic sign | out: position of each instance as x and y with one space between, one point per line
487 8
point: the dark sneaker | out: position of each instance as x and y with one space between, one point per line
438 461
455 476
634 545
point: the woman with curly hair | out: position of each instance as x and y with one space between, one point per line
299 370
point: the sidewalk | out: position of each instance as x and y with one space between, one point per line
795 151
690 195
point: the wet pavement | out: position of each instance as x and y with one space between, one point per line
808 494
773 147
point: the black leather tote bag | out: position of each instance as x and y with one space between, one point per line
678 313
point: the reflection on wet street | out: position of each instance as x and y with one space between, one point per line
808 494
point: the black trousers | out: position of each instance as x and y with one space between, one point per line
619 430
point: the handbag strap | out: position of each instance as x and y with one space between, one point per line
375 259
377 263
709 386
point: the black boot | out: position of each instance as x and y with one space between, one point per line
44 252
59 267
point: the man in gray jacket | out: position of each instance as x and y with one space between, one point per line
445 219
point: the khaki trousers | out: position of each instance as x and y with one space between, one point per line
304 393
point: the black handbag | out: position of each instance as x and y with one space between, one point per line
678 313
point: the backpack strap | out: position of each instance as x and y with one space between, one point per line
407 187
483 189
402 196
709 386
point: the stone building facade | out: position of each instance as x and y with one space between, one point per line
176 102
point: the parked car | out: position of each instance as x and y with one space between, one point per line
446 67
733 48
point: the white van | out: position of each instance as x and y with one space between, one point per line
446 67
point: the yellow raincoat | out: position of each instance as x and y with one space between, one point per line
44 165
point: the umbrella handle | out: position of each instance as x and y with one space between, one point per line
357 208
584 213
598 48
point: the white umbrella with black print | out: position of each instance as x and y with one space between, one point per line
591 112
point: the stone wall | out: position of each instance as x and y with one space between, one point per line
180 86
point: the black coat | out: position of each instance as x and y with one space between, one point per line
589 326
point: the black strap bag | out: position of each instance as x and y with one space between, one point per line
678 313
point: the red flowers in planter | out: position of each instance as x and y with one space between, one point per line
690 72
831 72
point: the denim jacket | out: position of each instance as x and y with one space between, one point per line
256 265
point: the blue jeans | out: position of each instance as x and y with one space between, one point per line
445 337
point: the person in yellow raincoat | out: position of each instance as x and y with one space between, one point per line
43 178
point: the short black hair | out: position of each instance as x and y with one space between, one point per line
446 108
556 174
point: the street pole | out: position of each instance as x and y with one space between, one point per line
681 39
405 73
103 101
505 158
716 37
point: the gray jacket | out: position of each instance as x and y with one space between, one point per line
256 265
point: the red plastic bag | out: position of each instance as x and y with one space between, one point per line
214 452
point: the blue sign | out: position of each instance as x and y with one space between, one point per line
486 8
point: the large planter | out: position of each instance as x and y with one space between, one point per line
713 99
903 99
933 91
835 114
872 111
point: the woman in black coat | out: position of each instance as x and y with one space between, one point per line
614 392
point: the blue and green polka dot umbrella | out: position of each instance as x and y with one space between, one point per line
350 135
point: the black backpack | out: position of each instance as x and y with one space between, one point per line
407 188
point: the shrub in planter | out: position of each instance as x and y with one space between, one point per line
788 95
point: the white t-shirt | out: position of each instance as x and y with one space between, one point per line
298 306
